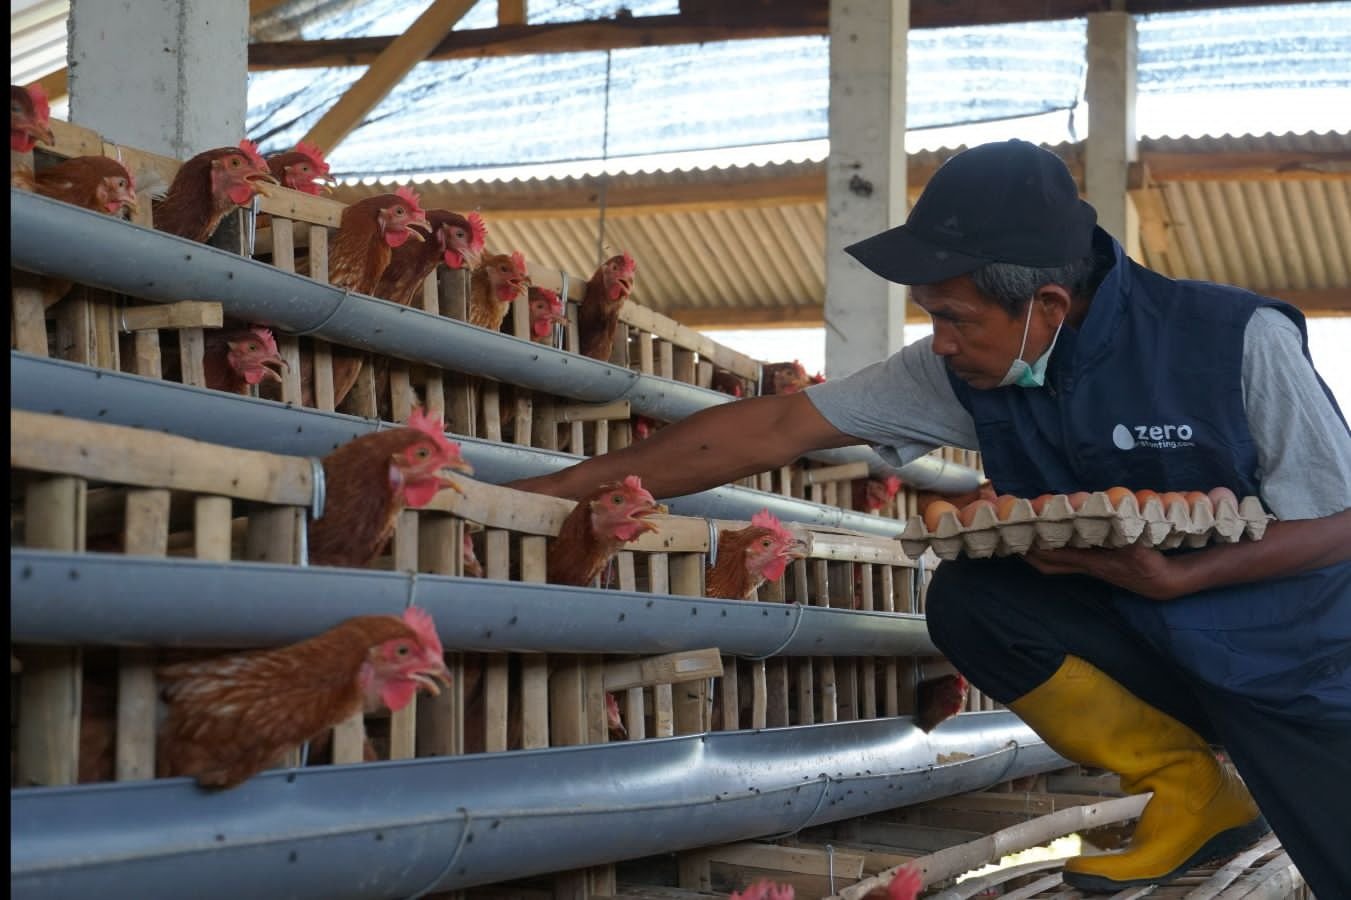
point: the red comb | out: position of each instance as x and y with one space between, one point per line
765 519
265 335
406 194
425 423
418 619
628 266
251 151
315 155
41 108
478 231
518 260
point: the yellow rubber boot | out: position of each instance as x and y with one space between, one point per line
1199 811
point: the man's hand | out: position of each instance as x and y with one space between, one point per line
1137 568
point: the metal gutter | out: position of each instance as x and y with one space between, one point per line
99 598
161 267
396 829
38 384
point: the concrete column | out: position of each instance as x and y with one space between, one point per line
168 76
865 177
1111 146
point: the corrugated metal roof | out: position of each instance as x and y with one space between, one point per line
752 254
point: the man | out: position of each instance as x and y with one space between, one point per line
1070 367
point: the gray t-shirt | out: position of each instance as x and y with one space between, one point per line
905 406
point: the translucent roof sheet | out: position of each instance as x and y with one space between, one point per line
465 114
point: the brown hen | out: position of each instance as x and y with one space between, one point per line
370 480
598 526
497 280
368 233
233 716
598 315
209 186
750 556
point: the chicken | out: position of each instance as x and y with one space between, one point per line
368 232
783 378
750 556
546 311
905 884
613 721
939 699
764 889
370 480
209 186
727 383
643 427
598 315
301 169
92 182
233 716
874 494
470 565
237 358
497 280
29 123
455 240
601 522
29 118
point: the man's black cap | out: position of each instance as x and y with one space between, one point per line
1009 202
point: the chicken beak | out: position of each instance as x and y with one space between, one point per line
446 476
429 679
640 518
43 132
797 550
274 361
261 182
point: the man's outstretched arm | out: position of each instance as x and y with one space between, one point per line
710 448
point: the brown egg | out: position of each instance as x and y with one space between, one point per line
1078 499
1003 506
934 512
1040 503
1169 498
1197 498
1144 495
1222 495
1116 494
968 512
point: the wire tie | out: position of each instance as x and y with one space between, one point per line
450 863
797 623
347 292
412 590
712 542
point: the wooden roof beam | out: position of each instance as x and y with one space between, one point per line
387 70
699 22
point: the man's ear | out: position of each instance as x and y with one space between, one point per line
1055 301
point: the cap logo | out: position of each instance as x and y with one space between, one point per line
951 227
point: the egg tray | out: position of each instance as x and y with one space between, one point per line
1097 523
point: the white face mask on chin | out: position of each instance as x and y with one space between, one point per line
1020 373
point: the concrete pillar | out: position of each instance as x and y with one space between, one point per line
865 177
168 76
1111 146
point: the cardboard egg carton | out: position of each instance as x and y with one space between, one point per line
1097 523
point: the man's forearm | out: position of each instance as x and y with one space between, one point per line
710 448
1287 548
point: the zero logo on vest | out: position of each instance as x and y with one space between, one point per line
1159 437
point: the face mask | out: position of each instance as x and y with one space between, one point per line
1030 376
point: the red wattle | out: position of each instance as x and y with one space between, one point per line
419 493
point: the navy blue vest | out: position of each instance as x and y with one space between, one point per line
1148 394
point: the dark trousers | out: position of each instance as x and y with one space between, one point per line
1008 628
